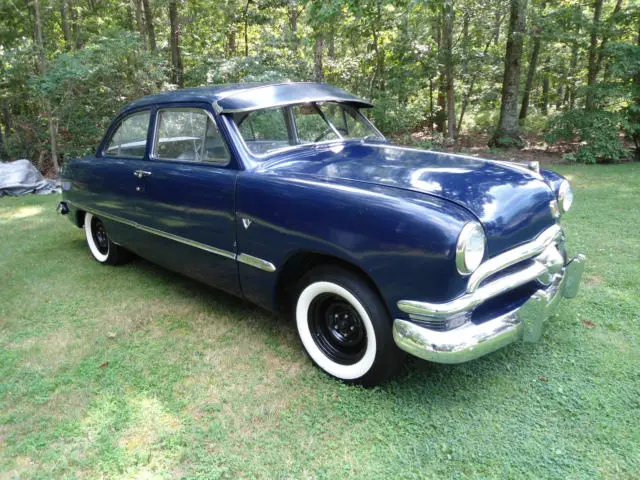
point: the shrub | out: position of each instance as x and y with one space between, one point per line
598 132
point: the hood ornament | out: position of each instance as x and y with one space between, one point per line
246 223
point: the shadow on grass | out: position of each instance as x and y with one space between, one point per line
447 381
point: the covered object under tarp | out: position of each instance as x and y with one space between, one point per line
21 177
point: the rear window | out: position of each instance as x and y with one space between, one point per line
130 138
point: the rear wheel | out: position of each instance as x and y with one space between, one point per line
100 245
345 328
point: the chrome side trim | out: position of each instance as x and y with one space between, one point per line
511 257
256 262
243 257
472 300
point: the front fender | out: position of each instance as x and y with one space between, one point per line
404 241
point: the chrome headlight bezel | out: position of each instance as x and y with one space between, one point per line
469 256
565 196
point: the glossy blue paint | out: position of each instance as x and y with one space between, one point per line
394 213
511 203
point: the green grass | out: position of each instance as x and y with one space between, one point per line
135 371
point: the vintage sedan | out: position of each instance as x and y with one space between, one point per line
286 195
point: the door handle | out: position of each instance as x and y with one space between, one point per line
142 173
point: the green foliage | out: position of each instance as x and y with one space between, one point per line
389 52
598 132
90 85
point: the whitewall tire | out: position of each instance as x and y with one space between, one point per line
345 328
100 245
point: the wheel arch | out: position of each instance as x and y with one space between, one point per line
300 262
79 218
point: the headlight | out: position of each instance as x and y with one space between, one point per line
565 196
470 248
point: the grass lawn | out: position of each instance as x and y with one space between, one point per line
136 372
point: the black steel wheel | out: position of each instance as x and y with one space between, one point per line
100 245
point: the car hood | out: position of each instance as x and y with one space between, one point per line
511 202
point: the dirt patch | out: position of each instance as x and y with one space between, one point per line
476 144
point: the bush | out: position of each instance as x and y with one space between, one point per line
598 132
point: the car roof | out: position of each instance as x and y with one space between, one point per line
244 97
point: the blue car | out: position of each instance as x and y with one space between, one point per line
286 195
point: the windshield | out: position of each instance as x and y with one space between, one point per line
271 129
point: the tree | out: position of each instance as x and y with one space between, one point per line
507 133
177 72
596 52
318 73
448 62
53 140
533 63
148 17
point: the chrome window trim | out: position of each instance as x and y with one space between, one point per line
243 257
154 140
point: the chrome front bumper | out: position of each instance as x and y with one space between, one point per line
472 340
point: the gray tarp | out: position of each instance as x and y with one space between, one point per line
21 177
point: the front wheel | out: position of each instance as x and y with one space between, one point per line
345 328
100 245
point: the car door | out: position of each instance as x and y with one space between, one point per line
105 184
186 197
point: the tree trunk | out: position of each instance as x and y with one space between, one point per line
148 17
41 68
440 117
137 8
544 99
177 73
64 20
507 133
1 144
448 67
293 25
75 25
496 29
331 43
569 91
246 28
592 72
533 63
318 73
6 117
431 102
232 43
530 76
467 95
465 45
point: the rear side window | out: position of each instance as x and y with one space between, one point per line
130 138
189 135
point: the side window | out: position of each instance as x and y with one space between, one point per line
264 130
130 138
310 124
189 135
